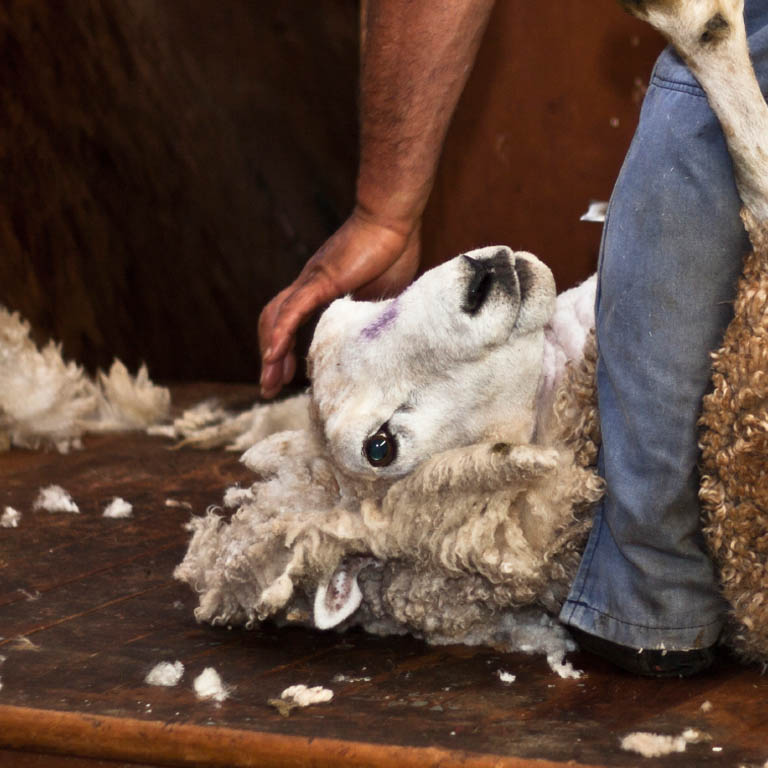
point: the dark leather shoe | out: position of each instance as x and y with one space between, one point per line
648 662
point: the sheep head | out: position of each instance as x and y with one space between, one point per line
450 362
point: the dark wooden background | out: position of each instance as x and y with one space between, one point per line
166 166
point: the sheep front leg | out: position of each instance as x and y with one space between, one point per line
479 467
711 38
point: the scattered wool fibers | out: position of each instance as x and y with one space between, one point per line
10 518
596 211
656 745
296 696
563 668
118 508
236 496
165 673
305 696
47 401
54 498
176 504
208 685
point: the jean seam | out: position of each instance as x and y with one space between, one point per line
580 603
675 85
587 567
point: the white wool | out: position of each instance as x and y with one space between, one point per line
656 745
653 744
165 673
303 696
340 677
46 401
209 425
118 508
42 398
506 677
236 496
54 498
162 430
128 402
563 668
208 685
175 503
10 518
596 211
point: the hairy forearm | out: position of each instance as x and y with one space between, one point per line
417 55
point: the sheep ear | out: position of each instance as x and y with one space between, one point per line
337 599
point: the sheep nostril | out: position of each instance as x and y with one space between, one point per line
479 288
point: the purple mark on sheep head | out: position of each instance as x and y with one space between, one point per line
382 322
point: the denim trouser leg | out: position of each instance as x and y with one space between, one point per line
671 255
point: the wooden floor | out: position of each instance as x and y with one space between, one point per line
88 605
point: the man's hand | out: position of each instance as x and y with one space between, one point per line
365 258
415 60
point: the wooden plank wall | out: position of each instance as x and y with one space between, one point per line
166 167
542 129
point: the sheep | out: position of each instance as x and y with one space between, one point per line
445 482
341 528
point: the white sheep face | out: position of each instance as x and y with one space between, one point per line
454 360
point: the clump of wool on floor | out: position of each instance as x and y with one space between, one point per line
46 401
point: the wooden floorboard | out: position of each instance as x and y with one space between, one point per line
88 605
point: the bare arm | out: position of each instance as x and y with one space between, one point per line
416 60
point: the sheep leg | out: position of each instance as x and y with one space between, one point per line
710 37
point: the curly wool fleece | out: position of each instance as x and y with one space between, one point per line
448 553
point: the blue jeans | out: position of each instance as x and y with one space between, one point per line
670 258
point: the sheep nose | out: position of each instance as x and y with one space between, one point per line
480 284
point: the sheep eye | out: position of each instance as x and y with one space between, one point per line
380 449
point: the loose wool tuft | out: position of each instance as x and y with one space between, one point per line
297 696
54 498
118 508
209 425
45 401
208 685
306 697
654 744
10 518
165 673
